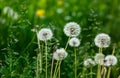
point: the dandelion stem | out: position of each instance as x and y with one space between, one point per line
98 73
83 72
37 67
109 70
46 56
67 43
38 55
113 51
99 67
58 69
40 62
52 66
75 63
104 74
91 72
10 63
55 69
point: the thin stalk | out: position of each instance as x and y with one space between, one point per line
46 56
109 71
55 69
83 72
58 69
98 72
52 66
104 75
99 67
113 51
11 64
91 72
37 68
37 76
40 60
75 63
67 43
102 71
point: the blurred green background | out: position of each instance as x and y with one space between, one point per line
94 16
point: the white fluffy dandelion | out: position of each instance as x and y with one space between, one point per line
110 60
74 42
60 54
89 62
102 40
10 12
72 29
45 34
99 58
6 9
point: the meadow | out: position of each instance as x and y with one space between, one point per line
59 39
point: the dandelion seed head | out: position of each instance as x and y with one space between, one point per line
6 9
110 60
89 62
45 34
74 42
102 40
99 58
60 54
72 29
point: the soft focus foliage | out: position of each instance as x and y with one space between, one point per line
18 44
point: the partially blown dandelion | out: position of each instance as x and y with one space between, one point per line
45 34
99 58
74 42
60 54
102 40
72 29
110 60
89 63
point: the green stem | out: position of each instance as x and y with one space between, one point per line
75 63
55 69
99 67
67 43
91 72
113 51
11 64
98 72
102 71
58 69
40 62
104 74
37 67
46 56
83 72
109 70
52 66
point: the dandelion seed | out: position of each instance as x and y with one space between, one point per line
99 58
60 54
72 29
102 40
110 60
74 42
45 34
89 63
